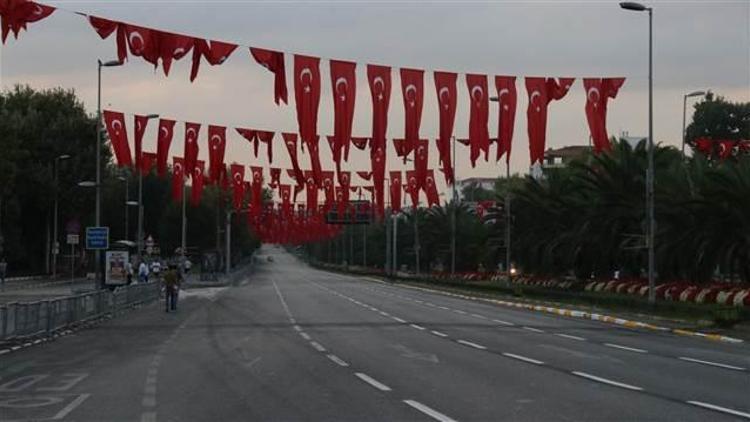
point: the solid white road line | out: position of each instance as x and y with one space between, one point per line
379 385
720 409
439 334
534 330
317 346
418 327
705 362
630 349
429 411
606 381
570 336
399 320
523 358
470 344
338 360
500 321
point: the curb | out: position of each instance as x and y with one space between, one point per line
577 314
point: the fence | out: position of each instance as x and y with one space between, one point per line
45 317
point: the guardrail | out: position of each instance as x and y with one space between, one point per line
45 317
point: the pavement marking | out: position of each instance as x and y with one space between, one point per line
399 320
298 328
523 358
479 316
705 362
419 301
71 406
719 408
458 311
572 337
444 308
380 386
338 360
418 327
607 381
532 329
305 336
500 321
429 411
317 346
67 382
439 334
470 344
630 349
385 314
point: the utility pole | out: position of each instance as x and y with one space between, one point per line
228 245
394 256
453 212
416 236
386 220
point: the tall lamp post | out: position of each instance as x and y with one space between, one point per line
508 216
98 223
453 212
684 112
127 199
55 242
638 7
139 232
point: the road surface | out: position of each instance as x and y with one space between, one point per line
292 343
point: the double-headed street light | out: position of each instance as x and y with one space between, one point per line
684 112
637 7
56 243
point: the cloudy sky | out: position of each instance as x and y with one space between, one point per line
697 45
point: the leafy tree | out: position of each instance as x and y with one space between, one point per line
718 119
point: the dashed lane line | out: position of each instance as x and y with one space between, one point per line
337 360
607 381
709 363
500 321
533 330
305 336
569 336
434 414
621 347
439 334
523 358
418 327
373 382
317 346
719 409
397 319
470 344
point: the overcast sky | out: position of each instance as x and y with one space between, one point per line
697 45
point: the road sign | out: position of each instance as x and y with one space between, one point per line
97 237
73 239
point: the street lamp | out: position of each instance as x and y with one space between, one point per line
637 7
139 240
56 244
684 111
507 205
127 199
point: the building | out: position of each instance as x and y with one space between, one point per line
486 183
560 157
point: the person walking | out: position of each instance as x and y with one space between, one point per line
172 280
3 272
143 272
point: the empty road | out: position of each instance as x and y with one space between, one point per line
293 343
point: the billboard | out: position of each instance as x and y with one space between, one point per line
116 270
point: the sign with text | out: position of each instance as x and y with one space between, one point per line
97 237
116 271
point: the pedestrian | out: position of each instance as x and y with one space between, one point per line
3 271
188 265
143 272
172 280
156 268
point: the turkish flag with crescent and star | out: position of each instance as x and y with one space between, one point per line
412 187
290 140
360 142
311 191
377 159
422 148
395 191
343 199
217 141
105 28
479 135
274 62
140 129
257 194
328 185
237 172
143 42
379 78
598 93
507 99
275 176
266 137
314 152
164 140
307 94
118 136
215 53
148 159
191 145
285 192
172 47
178 178
412 91
16 14
196 189
344 89
541 92
445 86
430 189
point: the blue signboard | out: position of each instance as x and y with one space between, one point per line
97 237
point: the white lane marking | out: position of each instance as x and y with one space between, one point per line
379 385
429 411
66 382
439 334
297 328
399 320
385 314
458 311
305 336
570 336
444 308
338 360
4 351
719 408
71 406
630 349
470 344
523 358
606 381
429 304
479 316
317 346
419 301
418 327
500 321
705 362
532 329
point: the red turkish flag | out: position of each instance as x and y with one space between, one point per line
16 14
395 191
166 130
412 187
344 89
215 53
402 147
377 160
257 197
191 145
313 151
367 175
118 135
726 148
267 138
412 91
274 62
307 94
290 140
598 93
345 180
360 142
173 47
507 99
252 136
238 186
140 129
178 178
541 92
148 159
430 189
445 86
479 136
275 176
285 192
420 161
311 191
143 42
328 184
217 141
105 28
197 186
379 78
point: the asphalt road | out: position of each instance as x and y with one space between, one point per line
294 343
